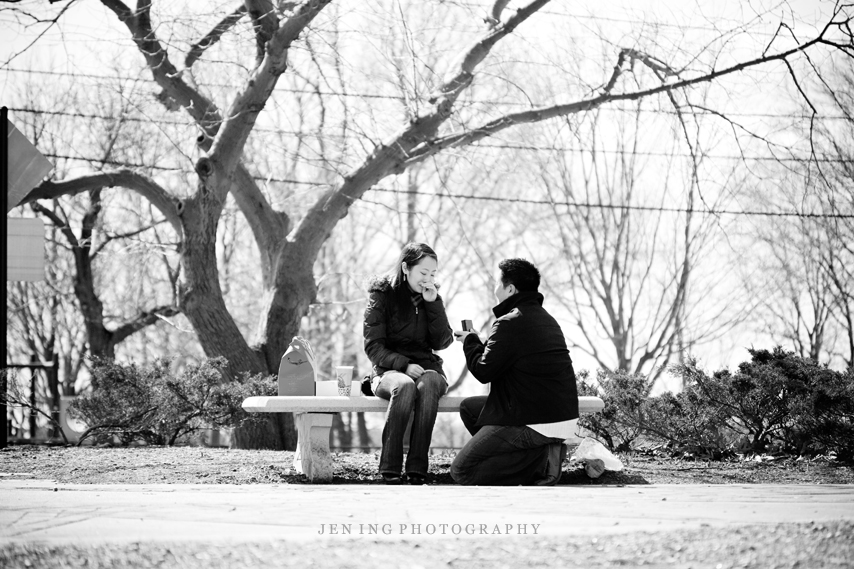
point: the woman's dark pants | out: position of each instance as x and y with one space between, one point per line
405 396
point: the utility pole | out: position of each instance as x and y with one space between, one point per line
4 191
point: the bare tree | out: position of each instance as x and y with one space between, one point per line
288 247
837 198
628 233
94 240
809 266
797 290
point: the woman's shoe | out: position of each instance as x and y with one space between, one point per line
390 478
416 479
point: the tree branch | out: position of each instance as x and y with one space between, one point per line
203 111
15 398
130 179
60 223
432 147
462 72
241 116
269 227
141 321
494 17
95 251
264 22
391 156
41 34
213 36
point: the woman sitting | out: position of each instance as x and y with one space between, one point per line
405 322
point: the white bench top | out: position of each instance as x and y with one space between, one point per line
337 404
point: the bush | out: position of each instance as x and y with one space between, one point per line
752 403
776 402
151 404
687 424
622 419
825 418
681 421
779 401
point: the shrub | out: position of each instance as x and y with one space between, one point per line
753 403
825 418
779 401
622 419
151 404
682 421
686 424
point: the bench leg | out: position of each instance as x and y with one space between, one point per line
312 455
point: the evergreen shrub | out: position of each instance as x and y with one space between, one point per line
777 402
149 403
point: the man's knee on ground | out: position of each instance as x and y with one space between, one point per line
458 474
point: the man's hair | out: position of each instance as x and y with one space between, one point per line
519 272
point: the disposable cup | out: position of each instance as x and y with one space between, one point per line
344 377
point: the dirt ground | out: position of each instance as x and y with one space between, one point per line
196 465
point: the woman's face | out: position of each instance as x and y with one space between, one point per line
421 275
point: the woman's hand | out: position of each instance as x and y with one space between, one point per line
429 292
414 371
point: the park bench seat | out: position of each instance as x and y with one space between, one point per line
313 417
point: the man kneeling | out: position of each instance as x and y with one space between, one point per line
532 407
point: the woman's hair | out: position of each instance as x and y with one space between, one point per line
411 254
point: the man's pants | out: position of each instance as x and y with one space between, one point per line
499 456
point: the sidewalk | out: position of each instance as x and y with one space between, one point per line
40 511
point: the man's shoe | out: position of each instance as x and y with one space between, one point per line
557 454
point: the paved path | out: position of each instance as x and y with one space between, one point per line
39 511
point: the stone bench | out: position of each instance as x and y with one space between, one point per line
313 417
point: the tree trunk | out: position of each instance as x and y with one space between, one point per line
203 304
364 438
343 430
53 387
201 297
286 303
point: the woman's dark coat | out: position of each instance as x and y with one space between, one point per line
402 328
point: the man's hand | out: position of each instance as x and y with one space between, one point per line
429 292
414 371
460 335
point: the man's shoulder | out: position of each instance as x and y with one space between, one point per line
512 315
528 314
